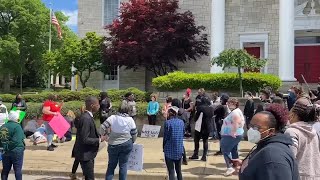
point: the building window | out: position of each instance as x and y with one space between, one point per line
308 40
111 11
112 75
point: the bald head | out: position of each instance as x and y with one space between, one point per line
92 104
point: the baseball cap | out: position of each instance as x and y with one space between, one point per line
13 116
174 108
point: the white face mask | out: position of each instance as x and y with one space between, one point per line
254 136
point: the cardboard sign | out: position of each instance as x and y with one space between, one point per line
59 125
150 131
22 115
199 123
135 162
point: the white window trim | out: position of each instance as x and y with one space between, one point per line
257 37
103 25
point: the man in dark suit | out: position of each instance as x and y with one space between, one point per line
87 142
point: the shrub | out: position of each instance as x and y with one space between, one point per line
67 95
226 81
34 109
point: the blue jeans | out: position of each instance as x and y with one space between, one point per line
119 153
14 159
229 145
49 133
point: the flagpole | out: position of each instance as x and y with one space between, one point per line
50 39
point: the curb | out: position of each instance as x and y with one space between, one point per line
131 175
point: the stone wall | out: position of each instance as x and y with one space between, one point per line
254 16
201 10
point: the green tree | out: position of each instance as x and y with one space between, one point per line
240 59
85 54
9 54
28 22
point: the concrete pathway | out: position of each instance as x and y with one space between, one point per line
38 161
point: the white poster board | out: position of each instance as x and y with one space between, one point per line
199 123
135 162
150 131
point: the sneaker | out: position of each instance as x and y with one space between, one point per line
185 162
194 157
204 158
229 172
73 177
50 148
54 146
218 153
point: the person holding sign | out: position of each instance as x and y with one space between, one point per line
173 143
19 103
121 131
153 109
49 110
206 127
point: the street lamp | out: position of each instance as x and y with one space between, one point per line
21 69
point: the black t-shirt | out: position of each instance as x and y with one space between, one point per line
186 103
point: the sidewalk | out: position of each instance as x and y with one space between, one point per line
38 161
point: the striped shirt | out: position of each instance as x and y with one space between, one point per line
123 128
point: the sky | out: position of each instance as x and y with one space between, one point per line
69 8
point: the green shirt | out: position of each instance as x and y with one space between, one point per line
12 137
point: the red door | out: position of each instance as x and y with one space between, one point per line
254 51
307 63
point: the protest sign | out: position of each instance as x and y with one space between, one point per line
59 125
150 131
22 114
135 162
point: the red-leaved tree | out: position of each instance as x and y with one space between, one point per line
155 35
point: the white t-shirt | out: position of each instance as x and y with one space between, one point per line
122 129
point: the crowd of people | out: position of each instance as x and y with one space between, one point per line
287 125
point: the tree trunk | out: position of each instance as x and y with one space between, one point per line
240 80
6 82
149 75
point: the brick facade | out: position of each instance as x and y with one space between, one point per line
242 17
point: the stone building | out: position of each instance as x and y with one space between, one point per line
286 32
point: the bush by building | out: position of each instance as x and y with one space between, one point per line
225 81
67 95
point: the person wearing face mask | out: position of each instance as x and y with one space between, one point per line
19 103
271 158
305 135
231 134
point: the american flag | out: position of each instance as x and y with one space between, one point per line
55 22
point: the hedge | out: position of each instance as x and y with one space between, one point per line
34 108
67 95
224 81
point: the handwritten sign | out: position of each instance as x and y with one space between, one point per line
135 162
150 131
59 125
